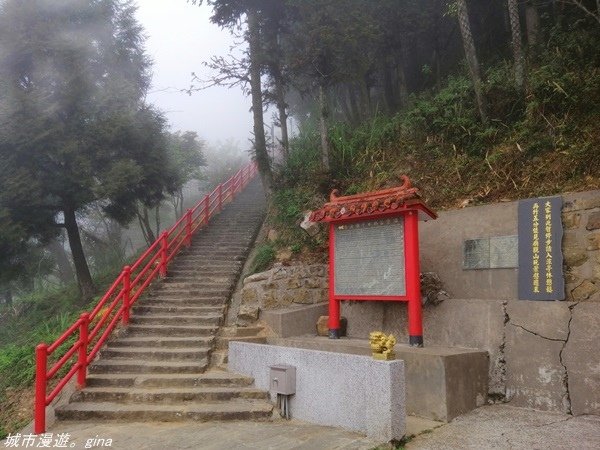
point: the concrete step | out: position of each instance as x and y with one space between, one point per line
127 365
172 319
239 409
170 330
179 310
167 395
162 342
222 343
209 378
195 284
192 293
158 353
219 300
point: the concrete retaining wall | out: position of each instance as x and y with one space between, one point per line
543 355
348 391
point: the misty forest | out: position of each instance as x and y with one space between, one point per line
476 100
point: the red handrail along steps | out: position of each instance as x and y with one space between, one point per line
79 345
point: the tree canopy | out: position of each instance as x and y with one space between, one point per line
75 129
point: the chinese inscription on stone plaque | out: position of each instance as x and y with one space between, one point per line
369 258
540 255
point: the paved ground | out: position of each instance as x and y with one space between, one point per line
497 427
213 436
501 427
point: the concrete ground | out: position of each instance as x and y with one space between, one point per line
498 427
275 435
501 427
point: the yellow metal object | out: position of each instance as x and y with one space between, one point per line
382 345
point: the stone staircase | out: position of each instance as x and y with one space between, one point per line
159 367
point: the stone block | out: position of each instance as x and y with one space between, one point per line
571 220
323 326
535 377
593 242
363 317
249 295
547 319
581 356
593 222
335 389
261 276
296 321
581 201
584 291
441 382
248 314
573 250
272 235
312 228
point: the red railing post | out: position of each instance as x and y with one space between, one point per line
83 346
41 363
164 253
126 294
220 196
188 228
206 209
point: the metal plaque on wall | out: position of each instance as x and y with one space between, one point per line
540 254
369 258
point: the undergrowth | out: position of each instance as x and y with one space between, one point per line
543 141
43 316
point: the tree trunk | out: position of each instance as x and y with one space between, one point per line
532 23
471 54
515 29
323 114
260 145
82 271
65 270
281 108
145 226
157 219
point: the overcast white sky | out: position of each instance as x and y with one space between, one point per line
179 38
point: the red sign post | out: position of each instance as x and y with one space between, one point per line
374 251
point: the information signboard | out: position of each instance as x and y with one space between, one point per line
540 255
369 258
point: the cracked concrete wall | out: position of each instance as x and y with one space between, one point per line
543 355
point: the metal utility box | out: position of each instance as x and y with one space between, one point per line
282 379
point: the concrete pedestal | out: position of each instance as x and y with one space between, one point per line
441 383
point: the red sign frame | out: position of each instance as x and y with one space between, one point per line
336 212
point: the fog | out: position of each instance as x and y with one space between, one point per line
179 38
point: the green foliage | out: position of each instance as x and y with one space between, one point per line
265 255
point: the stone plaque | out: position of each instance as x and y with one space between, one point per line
504 252
498 252
369 258
476 254
540 254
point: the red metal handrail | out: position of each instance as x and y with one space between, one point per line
120 297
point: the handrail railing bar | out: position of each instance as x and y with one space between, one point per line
106 296
143 271
105 334
140 291
147 253
105 316
58 365
62 383
66 335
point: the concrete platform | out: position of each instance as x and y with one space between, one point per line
441 383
